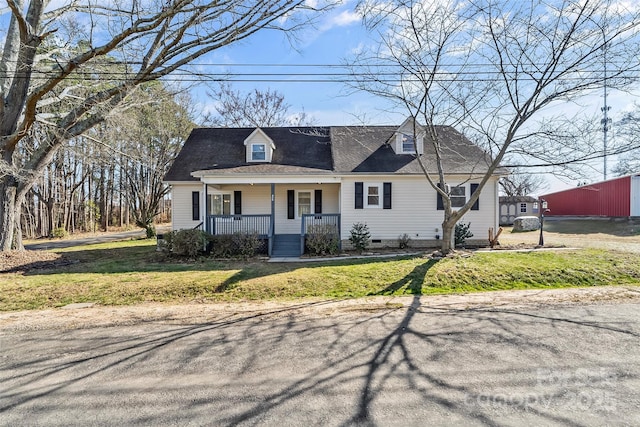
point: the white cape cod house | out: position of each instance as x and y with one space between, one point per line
280 181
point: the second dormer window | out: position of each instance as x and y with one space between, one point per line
408 145
258 152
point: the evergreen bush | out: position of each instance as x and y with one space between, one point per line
462 233
359 236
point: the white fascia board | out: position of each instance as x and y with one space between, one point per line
174 183
390 177
268 179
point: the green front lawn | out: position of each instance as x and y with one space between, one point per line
132 272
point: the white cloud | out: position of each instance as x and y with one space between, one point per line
344 18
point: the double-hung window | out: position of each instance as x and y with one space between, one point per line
458 196
523 208
258 152
373 195
219 204
304 203
408 145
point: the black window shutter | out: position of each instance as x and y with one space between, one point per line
359 195
195 205
291 204
476 205
439 201
386 195
237 202
318 201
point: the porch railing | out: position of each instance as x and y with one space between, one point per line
313 223
230 224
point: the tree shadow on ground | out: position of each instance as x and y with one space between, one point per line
412 281
389 367
255 271
143 259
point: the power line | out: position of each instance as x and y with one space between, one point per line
325 65
382 77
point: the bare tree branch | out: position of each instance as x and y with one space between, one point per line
493 69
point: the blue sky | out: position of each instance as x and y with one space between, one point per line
337 35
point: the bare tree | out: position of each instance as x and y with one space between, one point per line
266 108
628 165
151 137
496 69
629 130
147 39
520 183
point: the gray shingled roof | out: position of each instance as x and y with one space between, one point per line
517 199
339 149
298 150
368 149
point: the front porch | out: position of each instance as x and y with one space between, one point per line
282 214
279 245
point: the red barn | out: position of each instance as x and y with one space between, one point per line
619 197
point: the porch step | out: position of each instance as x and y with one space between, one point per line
286 245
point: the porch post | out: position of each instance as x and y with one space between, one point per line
272 220
206 209
273 208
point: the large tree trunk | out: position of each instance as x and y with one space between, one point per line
11 237
447 237
8 192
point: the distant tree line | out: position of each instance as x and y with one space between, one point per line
111 176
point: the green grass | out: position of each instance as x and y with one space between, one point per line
132 272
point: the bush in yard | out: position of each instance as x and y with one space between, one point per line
240 244
165 244
245 244
221 245
462 233
322 239
359 237
404 241
188 243
59 233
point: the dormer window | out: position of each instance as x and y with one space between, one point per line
258 152
409 138
408 145
259 147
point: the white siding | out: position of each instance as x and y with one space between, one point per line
181 215
256 199
413 207
330 204
414 210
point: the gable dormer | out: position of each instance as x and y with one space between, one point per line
405 135
259 147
